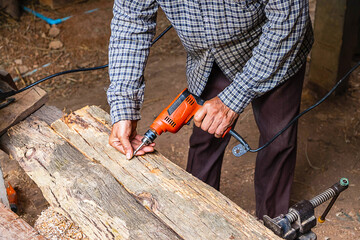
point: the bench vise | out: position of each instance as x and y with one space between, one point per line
298 222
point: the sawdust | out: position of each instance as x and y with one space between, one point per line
55 226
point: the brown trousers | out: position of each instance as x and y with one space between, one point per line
275 164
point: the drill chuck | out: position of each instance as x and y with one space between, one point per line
149 137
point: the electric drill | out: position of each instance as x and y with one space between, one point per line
180 112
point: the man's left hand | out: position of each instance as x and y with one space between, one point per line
215 117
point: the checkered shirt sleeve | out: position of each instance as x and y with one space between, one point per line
279 45
132 29
258 44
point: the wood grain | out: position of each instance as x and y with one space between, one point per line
82 189
26 103
12 227
193 209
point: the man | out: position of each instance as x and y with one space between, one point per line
238 51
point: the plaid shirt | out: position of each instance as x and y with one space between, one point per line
258 44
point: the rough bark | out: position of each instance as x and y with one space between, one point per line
100 190
189 206
83 190
26 103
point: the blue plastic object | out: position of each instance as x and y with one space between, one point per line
46 19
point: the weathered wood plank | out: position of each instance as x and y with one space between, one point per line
12 227
26 103
189 206
84 190
3 195
48 114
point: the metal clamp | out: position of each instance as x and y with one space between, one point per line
300 219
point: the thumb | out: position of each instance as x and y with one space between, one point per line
125 142
199 116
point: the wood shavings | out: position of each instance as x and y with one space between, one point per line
53 225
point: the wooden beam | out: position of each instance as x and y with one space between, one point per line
25 103
3 195
13 227
81 189
94 184
201 212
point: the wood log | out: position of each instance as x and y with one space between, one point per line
25 103
12 227
83 190
190 207
100 190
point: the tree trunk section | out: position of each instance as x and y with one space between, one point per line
83 190
100 190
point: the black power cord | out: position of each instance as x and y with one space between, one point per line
305 111
5 95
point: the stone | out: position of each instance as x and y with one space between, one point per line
54 31
23 69
56 44
18 61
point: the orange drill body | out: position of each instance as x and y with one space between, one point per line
180 111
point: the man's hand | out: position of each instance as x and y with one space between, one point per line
215 117
124 138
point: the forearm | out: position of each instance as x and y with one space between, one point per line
278 48
132 29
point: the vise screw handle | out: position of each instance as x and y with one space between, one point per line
332 192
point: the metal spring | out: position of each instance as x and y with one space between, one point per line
291 216
316 201
323 197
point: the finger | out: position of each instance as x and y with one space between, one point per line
214 125
144 150
206 123
148 149
221 129
199 116
136 142
114 142
127 147
117 145
138 137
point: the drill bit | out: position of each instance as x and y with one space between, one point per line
141 145
148 138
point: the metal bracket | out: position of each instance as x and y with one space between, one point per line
239 150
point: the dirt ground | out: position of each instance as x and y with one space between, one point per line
329 136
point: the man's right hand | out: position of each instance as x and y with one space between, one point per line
124 138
